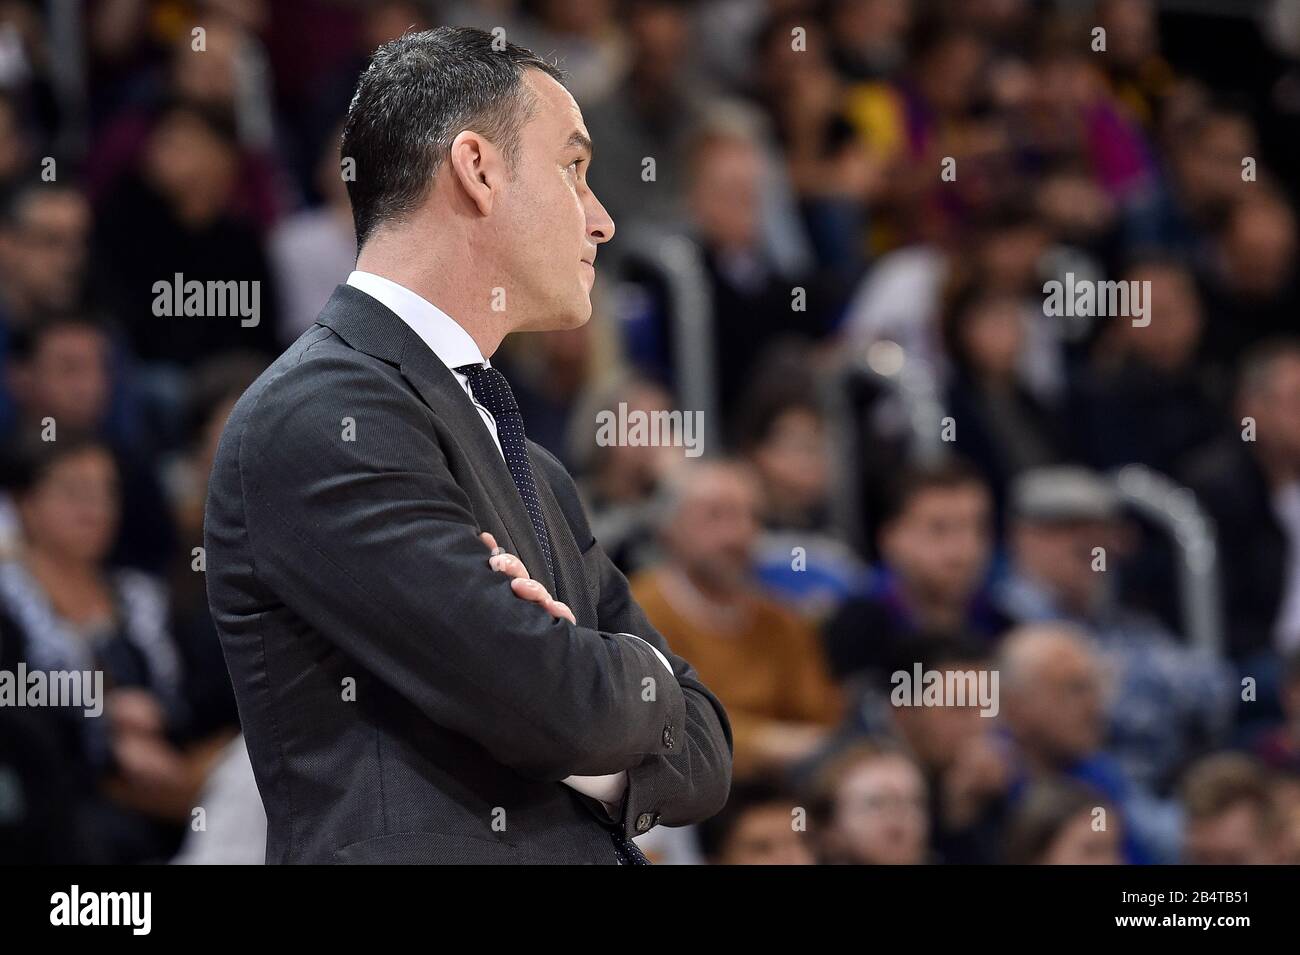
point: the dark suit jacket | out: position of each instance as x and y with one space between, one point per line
1252 542
401 704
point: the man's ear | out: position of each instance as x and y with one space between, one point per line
478 168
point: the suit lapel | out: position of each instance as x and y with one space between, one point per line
369 326
569 588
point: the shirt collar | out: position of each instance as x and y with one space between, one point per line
444 336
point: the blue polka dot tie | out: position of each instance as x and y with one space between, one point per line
492 391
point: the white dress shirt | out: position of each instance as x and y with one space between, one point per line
445 338
454 347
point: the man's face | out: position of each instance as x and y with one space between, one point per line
1058 710
1078 843
938 735
74 509
69 378
45 255
765 836
1170 341
1233 837
726 193
1276 410
939 544
793 460
881 815
1059 556
552 222
713 533
1260 247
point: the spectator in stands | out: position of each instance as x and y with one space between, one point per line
1064 823
1139 76
1250 484
873 807
935 543
75 613
1005 249
621 478
650 114
1051 683
1252 285
783 434
1143 398
964 764
1231 813
44 239
1279 747
173 216
1166 703
66 383
924 117
45 230
315 249
761 660
1205 143
754 302
1001 426
1071 112
582 36
221 71
760 825
833 173
869 36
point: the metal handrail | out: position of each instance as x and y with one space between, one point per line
690 310
1176 511
908 379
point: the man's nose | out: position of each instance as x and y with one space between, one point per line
600 225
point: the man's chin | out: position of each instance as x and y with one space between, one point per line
562 321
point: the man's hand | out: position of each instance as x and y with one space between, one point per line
524 586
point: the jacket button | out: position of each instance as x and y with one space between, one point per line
668 737
644 822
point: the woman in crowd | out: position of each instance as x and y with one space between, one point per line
74 613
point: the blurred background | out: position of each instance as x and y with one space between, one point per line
908 461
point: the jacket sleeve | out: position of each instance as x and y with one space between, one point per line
690 782
357 526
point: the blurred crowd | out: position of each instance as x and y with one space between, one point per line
836 219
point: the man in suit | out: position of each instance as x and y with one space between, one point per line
434 659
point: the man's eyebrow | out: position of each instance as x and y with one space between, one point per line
580 140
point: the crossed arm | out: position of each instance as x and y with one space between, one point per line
374 544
